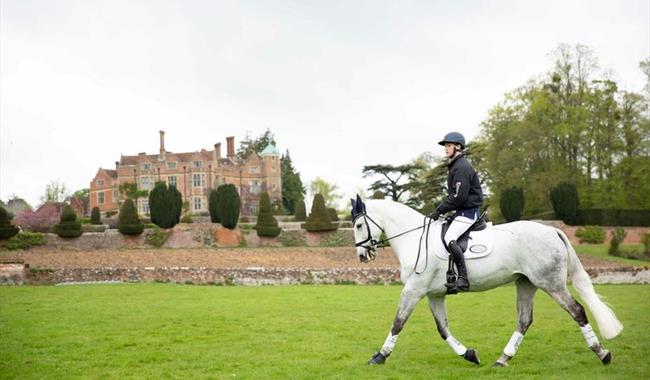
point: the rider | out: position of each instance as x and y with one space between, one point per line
465 197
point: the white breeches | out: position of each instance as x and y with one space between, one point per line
458 226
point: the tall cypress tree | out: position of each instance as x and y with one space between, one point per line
292 188
213 206
165 205
228 206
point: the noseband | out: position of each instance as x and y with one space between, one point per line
374 244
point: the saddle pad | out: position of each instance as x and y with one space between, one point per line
479 245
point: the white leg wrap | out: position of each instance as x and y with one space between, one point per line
455 345
389 344
589 335
513 344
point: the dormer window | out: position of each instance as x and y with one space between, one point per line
146 166
171 165
197 164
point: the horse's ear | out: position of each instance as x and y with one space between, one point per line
360 205
354 205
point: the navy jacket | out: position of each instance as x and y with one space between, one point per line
463 186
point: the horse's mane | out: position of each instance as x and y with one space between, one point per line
395 209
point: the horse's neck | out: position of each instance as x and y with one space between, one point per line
396 218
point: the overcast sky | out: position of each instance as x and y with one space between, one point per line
341 84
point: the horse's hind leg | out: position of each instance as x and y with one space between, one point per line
439 311
573 307
525 295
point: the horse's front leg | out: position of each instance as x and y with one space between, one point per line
408 299
439 311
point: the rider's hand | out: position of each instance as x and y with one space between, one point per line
435 215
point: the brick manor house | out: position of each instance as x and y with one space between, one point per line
194 174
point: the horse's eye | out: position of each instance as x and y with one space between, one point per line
358 226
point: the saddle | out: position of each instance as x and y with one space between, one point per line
481 243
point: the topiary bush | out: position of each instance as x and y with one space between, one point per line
591 235
512 203
301 212
617 238
128 222
213 204
564 198
95 216
334 216
7 230
319 219
25 240
228 206
164 205
69 226
266 225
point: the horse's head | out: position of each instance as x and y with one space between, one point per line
367 231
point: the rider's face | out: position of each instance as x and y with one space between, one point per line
449 150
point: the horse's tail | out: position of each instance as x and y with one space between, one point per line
608 324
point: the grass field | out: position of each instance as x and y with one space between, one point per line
599 251
293 332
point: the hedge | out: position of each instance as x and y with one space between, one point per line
613 217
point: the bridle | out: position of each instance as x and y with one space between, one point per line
371 249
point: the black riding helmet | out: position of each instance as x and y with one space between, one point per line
454 138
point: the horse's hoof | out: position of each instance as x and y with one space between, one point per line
607 358
471 355
377 358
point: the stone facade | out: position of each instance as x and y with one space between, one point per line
194 174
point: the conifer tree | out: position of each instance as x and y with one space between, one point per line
95 216
266 224
319 219
128 221
69 226
7 230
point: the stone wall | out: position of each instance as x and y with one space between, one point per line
17 274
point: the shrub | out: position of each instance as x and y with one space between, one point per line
25 240
156 237
564 198
512 203
41 220
213 202
334 216
187 219
266 225
95 216
69 226
292 239
228 206
164 205
301 212
337 239
591 235
617 238
128 222
378 195
319 218
7 230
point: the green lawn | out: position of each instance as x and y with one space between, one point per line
600 251
292 332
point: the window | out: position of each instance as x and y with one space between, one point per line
254 169
198 180
100 198
100 182
254 187
146 166
116 196
171 180
197 164
171 165
198 204
146 183
144 206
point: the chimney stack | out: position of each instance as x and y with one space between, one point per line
162 145
230 141
217 151
117 163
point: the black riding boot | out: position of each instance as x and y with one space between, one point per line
461 284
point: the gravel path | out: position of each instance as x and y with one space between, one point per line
313 257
